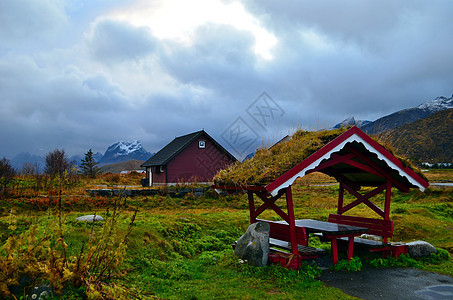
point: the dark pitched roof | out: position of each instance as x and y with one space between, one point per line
176 146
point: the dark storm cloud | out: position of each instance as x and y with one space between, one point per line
74 76
117 41
378 56
44 111
221 64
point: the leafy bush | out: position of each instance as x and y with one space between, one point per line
436 258
354 265
406 261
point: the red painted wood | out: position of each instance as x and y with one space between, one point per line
350 247
397 183
269 202
340 198
194 164
334 247
309 160
330 146
378 227
158 177
388 196
251 207
363 167
389 156
364 199
291 220
280 212
281 231
335 159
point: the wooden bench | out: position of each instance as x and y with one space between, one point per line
279 236
378 227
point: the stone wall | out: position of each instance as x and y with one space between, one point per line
173 192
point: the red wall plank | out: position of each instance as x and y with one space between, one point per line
194 164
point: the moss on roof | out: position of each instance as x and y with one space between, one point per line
268 164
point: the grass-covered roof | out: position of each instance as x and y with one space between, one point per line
269 164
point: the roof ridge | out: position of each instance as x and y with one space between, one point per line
170 150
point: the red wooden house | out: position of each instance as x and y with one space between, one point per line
194 157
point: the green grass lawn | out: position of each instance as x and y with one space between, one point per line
180 248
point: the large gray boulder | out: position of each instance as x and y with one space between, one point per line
90 218
253 246
419 249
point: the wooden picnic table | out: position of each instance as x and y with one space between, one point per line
332 231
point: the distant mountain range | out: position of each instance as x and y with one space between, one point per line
422 134
426 140
402 117
116 153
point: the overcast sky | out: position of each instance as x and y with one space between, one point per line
81 74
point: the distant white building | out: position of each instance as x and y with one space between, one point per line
437 165
130 171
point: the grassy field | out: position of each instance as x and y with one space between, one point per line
180 248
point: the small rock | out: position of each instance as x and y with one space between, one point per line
371 237
90 218
420 249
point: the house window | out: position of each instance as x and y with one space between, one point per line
201 144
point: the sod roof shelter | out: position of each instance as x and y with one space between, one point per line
349 155
352 157
195 157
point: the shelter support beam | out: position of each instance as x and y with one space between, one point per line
388 196
251 207
269 202
340 198
363 199
291 220
379 169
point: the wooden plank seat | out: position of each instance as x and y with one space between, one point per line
305 250
279 236
378 227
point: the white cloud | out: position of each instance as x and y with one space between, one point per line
23 22
178 20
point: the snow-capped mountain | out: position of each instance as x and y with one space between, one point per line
351 121
438 104
124 151
405 116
